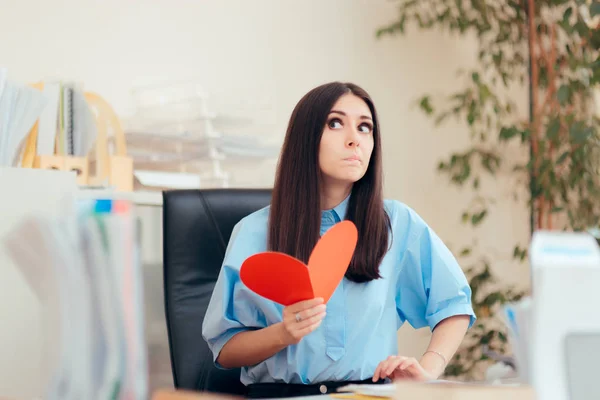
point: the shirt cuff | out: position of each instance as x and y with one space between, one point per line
217 345
451 311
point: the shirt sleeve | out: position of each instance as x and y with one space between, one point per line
232 308
431 285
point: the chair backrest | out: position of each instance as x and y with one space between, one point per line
197 225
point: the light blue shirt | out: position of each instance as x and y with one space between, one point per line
421 283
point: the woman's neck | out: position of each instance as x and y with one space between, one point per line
332 195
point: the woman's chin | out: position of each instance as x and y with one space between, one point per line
349 178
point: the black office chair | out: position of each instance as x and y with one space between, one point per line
197 225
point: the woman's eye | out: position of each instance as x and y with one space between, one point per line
335 124
365 128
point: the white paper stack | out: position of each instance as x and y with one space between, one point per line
85 269
518 321
435 390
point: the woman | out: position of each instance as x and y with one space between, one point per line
330 169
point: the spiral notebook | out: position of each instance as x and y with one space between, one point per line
66 121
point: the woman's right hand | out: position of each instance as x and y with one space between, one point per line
300 319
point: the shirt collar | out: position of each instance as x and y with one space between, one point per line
339 211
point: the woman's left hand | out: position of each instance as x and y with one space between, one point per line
401 368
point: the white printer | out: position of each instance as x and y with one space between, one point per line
563 344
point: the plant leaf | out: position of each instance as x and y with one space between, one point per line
507 133
580 133
567 15
563 157
477 218
465 217
563 94
595 8
553 129
425 105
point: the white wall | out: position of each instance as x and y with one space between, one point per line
270 53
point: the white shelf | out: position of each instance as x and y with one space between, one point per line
140 198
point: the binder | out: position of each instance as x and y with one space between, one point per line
20 107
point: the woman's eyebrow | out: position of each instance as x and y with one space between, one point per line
344 114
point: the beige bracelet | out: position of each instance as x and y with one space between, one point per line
439 354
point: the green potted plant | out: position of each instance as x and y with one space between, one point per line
552 47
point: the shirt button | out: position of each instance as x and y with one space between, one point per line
323 389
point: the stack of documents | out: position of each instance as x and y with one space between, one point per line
386 391
434 390
56 112
20 107
85 270
518 321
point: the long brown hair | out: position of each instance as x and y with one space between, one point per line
295 214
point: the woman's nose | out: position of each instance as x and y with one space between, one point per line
353 139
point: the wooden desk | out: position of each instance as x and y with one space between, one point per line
172 394
405 391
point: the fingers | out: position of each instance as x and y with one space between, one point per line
304 311
309 313
409 362
308 329
391 366
302 318
386 368
311 320
376 373
297 330
397 367
305 305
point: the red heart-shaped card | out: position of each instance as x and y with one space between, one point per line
286 280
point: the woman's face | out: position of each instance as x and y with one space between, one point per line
347 141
